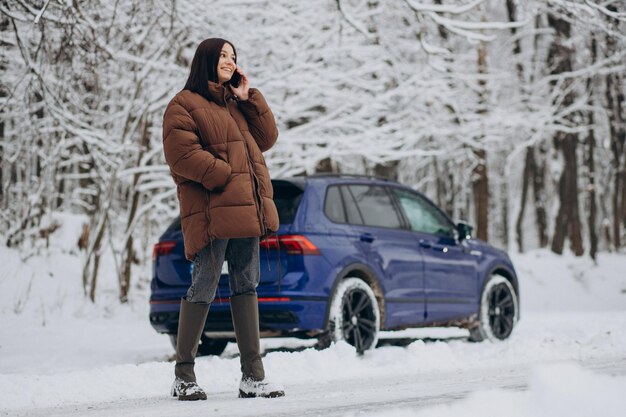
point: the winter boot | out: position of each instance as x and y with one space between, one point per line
190 326
249 388
245 312
187 391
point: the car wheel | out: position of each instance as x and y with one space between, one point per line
499 311
354 315
207 346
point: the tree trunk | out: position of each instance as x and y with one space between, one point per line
2 163
591 222
504 206
129 255
591 143
449 190
94 277
387 170
90 272
480 187
617 129
511 8
480 179
325 165
61 190
567 224
4 92
439 185
567 221
537 161
526 177
129 251
538 174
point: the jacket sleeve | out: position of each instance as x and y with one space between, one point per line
260 119
184 153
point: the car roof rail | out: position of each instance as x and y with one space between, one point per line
344 175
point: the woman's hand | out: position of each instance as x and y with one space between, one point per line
244 86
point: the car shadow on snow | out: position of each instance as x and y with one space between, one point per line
387 341
405 341
300 346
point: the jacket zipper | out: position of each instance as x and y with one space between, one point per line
258 199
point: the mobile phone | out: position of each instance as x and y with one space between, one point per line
235 79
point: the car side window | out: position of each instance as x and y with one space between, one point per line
333 205
375 206
352 211
422 215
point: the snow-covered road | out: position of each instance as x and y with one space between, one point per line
339 398
446 368
61 355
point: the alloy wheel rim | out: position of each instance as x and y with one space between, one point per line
501 311
359 320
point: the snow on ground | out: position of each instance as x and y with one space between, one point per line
60 354
554 390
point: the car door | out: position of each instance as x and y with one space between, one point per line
391 251
450 276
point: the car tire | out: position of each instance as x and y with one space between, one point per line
499 311
207 346
354 316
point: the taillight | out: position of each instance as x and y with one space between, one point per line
162 248
292 244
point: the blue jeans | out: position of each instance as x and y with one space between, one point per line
244 268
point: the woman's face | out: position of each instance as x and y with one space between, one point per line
227 63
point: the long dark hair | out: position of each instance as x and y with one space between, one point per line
204 66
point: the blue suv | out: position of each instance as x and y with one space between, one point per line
354 255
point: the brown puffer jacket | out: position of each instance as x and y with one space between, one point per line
214 151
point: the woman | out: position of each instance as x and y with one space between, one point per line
214 133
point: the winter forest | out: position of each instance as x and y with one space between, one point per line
509 114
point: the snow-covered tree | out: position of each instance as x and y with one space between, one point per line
508 114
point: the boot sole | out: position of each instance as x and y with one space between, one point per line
191 398
188 397
274 394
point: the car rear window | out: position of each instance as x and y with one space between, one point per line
287 197
174 225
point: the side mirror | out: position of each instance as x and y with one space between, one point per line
464 230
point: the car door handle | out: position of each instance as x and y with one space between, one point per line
425 243
367 237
